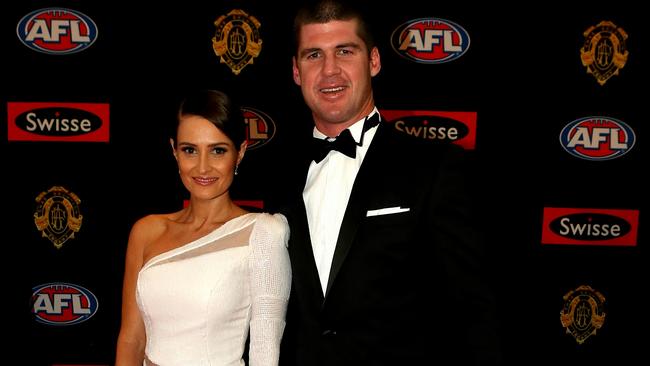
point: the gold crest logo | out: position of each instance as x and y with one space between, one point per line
57 215
583 313
237 40
604 51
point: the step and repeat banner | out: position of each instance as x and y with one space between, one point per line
551 101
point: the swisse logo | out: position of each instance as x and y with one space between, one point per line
430 40
597 138
590 226
57 31
260 127
456 127
63 304
431 127
58 121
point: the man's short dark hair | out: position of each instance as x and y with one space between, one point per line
324 11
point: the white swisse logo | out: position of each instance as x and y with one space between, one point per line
590 226
58 125
582 226
56 121
455 127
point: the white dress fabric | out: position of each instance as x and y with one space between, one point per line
198 301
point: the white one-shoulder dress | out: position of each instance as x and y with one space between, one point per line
198 301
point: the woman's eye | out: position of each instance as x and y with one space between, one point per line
219 150
188 150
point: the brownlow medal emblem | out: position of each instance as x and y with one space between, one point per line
583 313
57 215
604 51
237 39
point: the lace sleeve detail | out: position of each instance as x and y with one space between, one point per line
270 285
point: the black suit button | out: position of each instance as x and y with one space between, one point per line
328 332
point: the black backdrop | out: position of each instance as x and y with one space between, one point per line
522 74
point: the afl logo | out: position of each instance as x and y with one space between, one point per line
63 304
430 40
57 31
597 138
260 128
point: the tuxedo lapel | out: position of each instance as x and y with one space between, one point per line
300 247
302 256
351 219
356 209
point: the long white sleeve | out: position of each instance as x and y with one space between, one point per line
270 286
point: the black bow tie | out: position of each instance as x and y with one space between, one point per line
343 143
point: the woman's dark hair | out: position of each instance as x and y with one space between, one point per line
324 11
218 108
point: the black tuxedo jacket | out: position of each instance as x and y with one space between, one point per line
405 288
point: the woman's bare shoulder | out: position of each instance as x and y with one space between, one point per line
150 227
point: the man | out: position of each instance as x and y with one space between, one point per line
384 253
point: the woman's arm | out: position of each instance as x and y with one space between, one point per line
131 340
270 287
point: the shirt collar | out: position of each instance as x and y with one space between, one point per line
356 129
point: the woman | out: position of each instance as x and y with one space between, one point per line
196 280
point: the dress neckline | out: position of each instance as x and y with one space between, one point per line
209 237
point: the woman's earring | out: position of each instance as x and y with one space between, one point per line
236 169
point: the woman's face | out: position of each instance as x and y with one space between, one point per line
206 157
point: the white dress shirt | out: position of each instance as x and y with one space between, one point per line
326 196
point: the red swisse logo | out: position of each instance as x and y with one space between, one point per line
43 121
456 127
590 226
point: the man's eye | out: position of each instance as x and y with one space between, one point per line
313 55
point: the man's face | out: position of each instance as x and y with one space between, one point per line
334 71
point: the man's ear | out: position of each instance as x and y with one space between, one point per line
296 72
375 62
